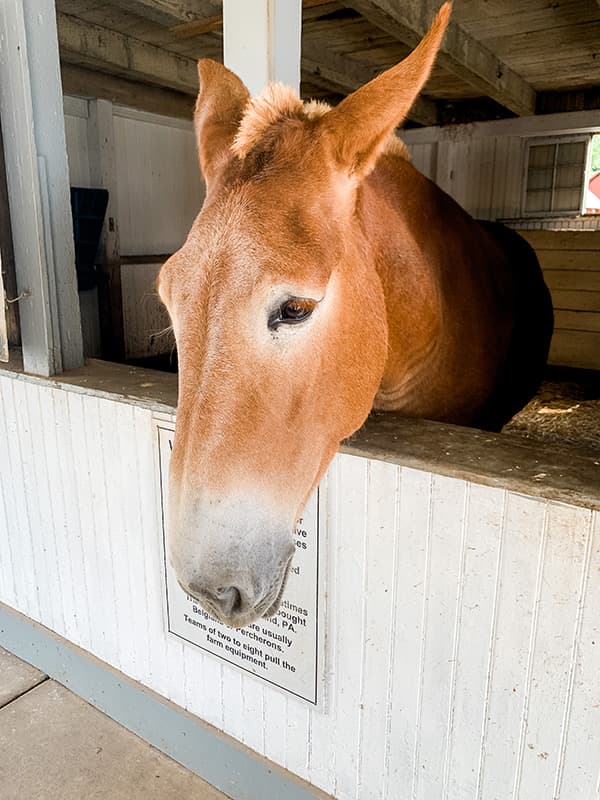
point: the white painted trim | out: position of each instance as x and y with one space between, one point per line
261 41
154 119
31 105
572 122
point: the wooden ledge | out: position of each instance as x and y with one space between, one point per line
503 460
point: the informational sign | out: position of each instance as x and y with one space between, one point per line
282 650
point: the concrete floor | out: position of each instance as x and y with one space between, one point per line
55 746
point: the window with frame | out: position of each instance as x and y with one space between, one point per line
556 181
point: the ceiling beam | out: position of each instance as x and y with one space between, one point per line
83 82
171 12
460 54
94 46
342 73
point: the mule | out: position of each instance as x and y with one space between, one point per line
324 276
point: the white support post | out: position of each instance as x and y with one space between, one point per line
31 107
261 41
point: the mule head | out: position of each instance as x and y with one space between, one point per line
280 322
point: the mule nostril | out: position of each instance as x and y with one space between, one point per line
229 599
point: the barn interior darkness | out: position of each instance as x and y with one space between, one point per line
500 61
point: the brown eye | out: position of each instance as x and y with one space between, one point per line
292 311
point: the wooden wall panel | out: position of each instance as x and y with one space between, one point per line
571 265
461 624
159 186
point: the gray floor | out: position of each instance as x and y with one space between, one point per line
55 746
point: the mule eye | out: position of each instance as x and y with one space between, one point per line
294 310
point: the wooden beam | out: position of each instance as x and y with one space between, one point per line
94 46
82 82
199 27
460 53
341 73
170 12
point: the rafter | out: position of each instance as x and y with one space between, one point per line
94 46
171 12
460 53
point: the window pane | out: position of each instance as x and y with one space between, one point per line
571 153
569 176
539 179
541 155
538 200
567 199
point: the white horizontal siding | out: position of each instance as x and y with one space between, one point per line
462 655
481 165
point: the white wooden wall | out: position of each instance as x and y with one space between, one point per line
462 625
159 193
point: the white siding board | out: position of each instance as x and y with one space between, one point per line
379 567
410 580
297 733
475 632
254 709
45 564
13 586
443 566
564 560
349 554
275 727
27 514
515 618
581 744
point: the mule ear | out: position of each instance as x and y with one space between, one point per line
219 110
361 124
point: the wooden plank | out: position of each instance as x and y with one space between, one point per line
569 259
171 12
189 30
576 349
84 82
96 46
570 300
573 280
562 240
460 53
576 320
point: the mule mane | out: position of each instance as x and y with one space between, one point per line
279 102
